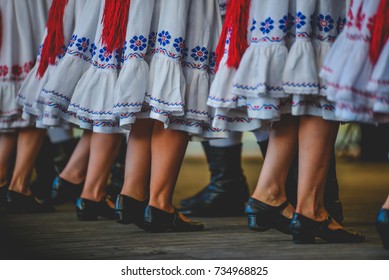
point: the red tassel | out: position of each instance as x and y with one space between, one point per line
380 32
54 41
236 22
114 22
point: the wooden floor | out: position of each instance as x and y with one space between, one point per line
61 236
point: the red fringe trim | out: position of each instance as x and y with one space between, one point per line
54 41
114 22
380 32
236 21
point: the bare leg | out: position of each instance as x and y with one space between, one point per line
103 151
168 150
28 146
316 141
138 160
75 170
386 204
7 148
270 188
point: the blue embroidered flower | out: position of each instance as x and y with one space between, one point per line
105 55
185 52
82 44
138 43
212 59
199 53
92 49
164 38
253 25
179 44
284 23
325 23
72 40
152 39
300 20
267 26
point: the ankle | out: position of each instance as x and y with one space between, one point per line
268 198
313 214
167 207
73 178
135 195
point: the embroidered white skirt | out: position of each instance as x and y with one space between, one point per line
23 24
279 72
163 71
359 88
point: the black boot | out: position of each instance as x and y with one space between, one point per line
227 192
331 192
45 171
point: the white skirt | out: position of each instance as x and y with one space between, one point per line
163 71
279 72
348 69
29 95
23 24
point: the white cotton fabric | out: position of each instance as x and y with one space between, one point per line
23 24
279 72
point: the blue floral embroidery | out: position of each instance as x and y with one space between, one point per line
179 44
82 44
199 53
138 43
105 55
267 26
284 23
152 39
92 49
325 23
72 40
164 38
300 20
212 59
253 26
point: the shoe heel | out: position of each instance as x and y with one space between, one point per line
253 225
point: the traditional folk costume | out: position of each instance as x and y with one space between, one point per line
22 24
146 59
357 68
271 52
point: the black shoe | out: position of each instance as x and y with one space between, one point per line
382 225
305 231
157 220
88 210
227 192
130 210
262 216
3 196
63 191
18 203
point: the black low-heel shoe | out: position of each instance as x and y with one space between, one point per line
63 191
262 216
88 210
18 203
157 220
382 225
3 196
130 210
305 231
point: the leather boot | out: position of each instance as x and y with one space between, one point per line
331 192
227 192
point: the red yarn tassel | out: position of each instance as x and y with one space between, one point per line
114 22
236 21
380 32
54 41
